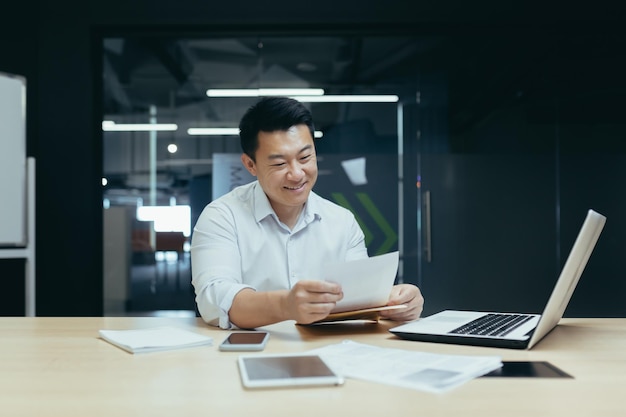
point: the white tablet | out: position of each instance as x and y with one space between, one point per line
284 370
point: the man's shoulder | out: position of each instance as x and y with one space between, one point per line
238 194
232 204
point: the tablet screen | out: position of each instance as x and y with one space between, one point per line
286 370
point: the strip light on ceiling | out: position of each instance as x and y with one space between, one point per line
372 98
227 131
261 92
109 126
305 95
214 131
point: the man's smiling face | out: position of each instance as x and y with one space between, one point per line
286 167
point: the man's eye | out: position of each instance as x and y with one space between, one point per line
304 158
280 164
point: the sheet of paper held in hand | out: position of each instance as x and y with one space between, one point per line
409 369
366 283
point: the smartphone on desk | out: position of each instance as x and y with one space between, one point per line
245 341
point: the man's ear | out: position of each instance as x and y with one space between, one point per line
249 164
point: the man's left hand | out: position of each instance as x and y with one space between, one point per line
409 295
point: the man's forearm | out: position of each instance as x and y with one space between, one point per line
251 309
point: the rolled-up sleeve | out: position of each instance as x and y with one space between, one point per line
216 265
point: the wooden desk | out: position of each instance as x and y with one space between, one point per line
59 367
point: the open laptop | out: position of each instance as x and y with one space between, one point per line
510 330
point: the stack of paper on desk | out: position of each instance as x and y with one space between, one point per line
410 369
155 339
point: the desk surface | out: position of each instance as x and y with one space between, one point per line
59 367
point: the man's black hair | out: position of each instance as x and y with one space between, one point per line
268 115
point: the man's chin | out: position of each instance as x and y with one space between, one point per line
296 198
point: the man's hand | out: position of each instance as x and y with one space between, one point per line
409 295
309 301
306 302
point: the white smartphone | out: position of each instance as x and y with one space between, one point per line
245 341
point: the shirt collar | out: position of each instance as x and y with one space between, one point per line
262 207
312 208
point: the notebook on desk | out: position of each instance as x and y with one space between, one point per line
510 330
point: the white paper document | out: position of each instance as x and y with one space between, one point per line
155 339
410 369
365 282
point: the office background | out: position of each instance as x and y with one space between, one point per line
577 161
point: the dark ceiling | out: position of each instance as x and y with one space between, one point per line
472 77
174 74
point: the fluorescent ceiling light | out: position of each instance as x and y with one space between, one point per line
348 99
306 95
213 131
109 126
226 131
259 92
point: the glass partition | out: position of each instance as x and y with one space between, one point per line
184 151
474 170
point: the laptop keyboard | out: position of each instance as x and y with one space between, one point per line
492 325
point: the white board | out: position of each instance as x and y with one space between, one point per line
13 213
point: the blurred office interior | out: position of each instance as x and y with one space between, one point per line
487 135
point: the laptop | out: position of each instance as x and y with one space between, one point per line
510 330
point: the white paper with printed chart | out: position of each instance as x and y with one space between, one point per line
405 368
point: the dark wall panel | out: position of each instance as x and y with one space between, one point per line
12 301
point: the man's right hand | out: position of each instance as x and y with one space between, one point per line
309 300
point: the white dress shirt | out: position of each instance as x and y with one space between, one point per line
238 242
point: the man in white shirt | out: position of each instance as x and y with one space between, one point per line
256 252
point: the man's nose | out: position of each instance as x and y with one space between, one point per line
295 170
